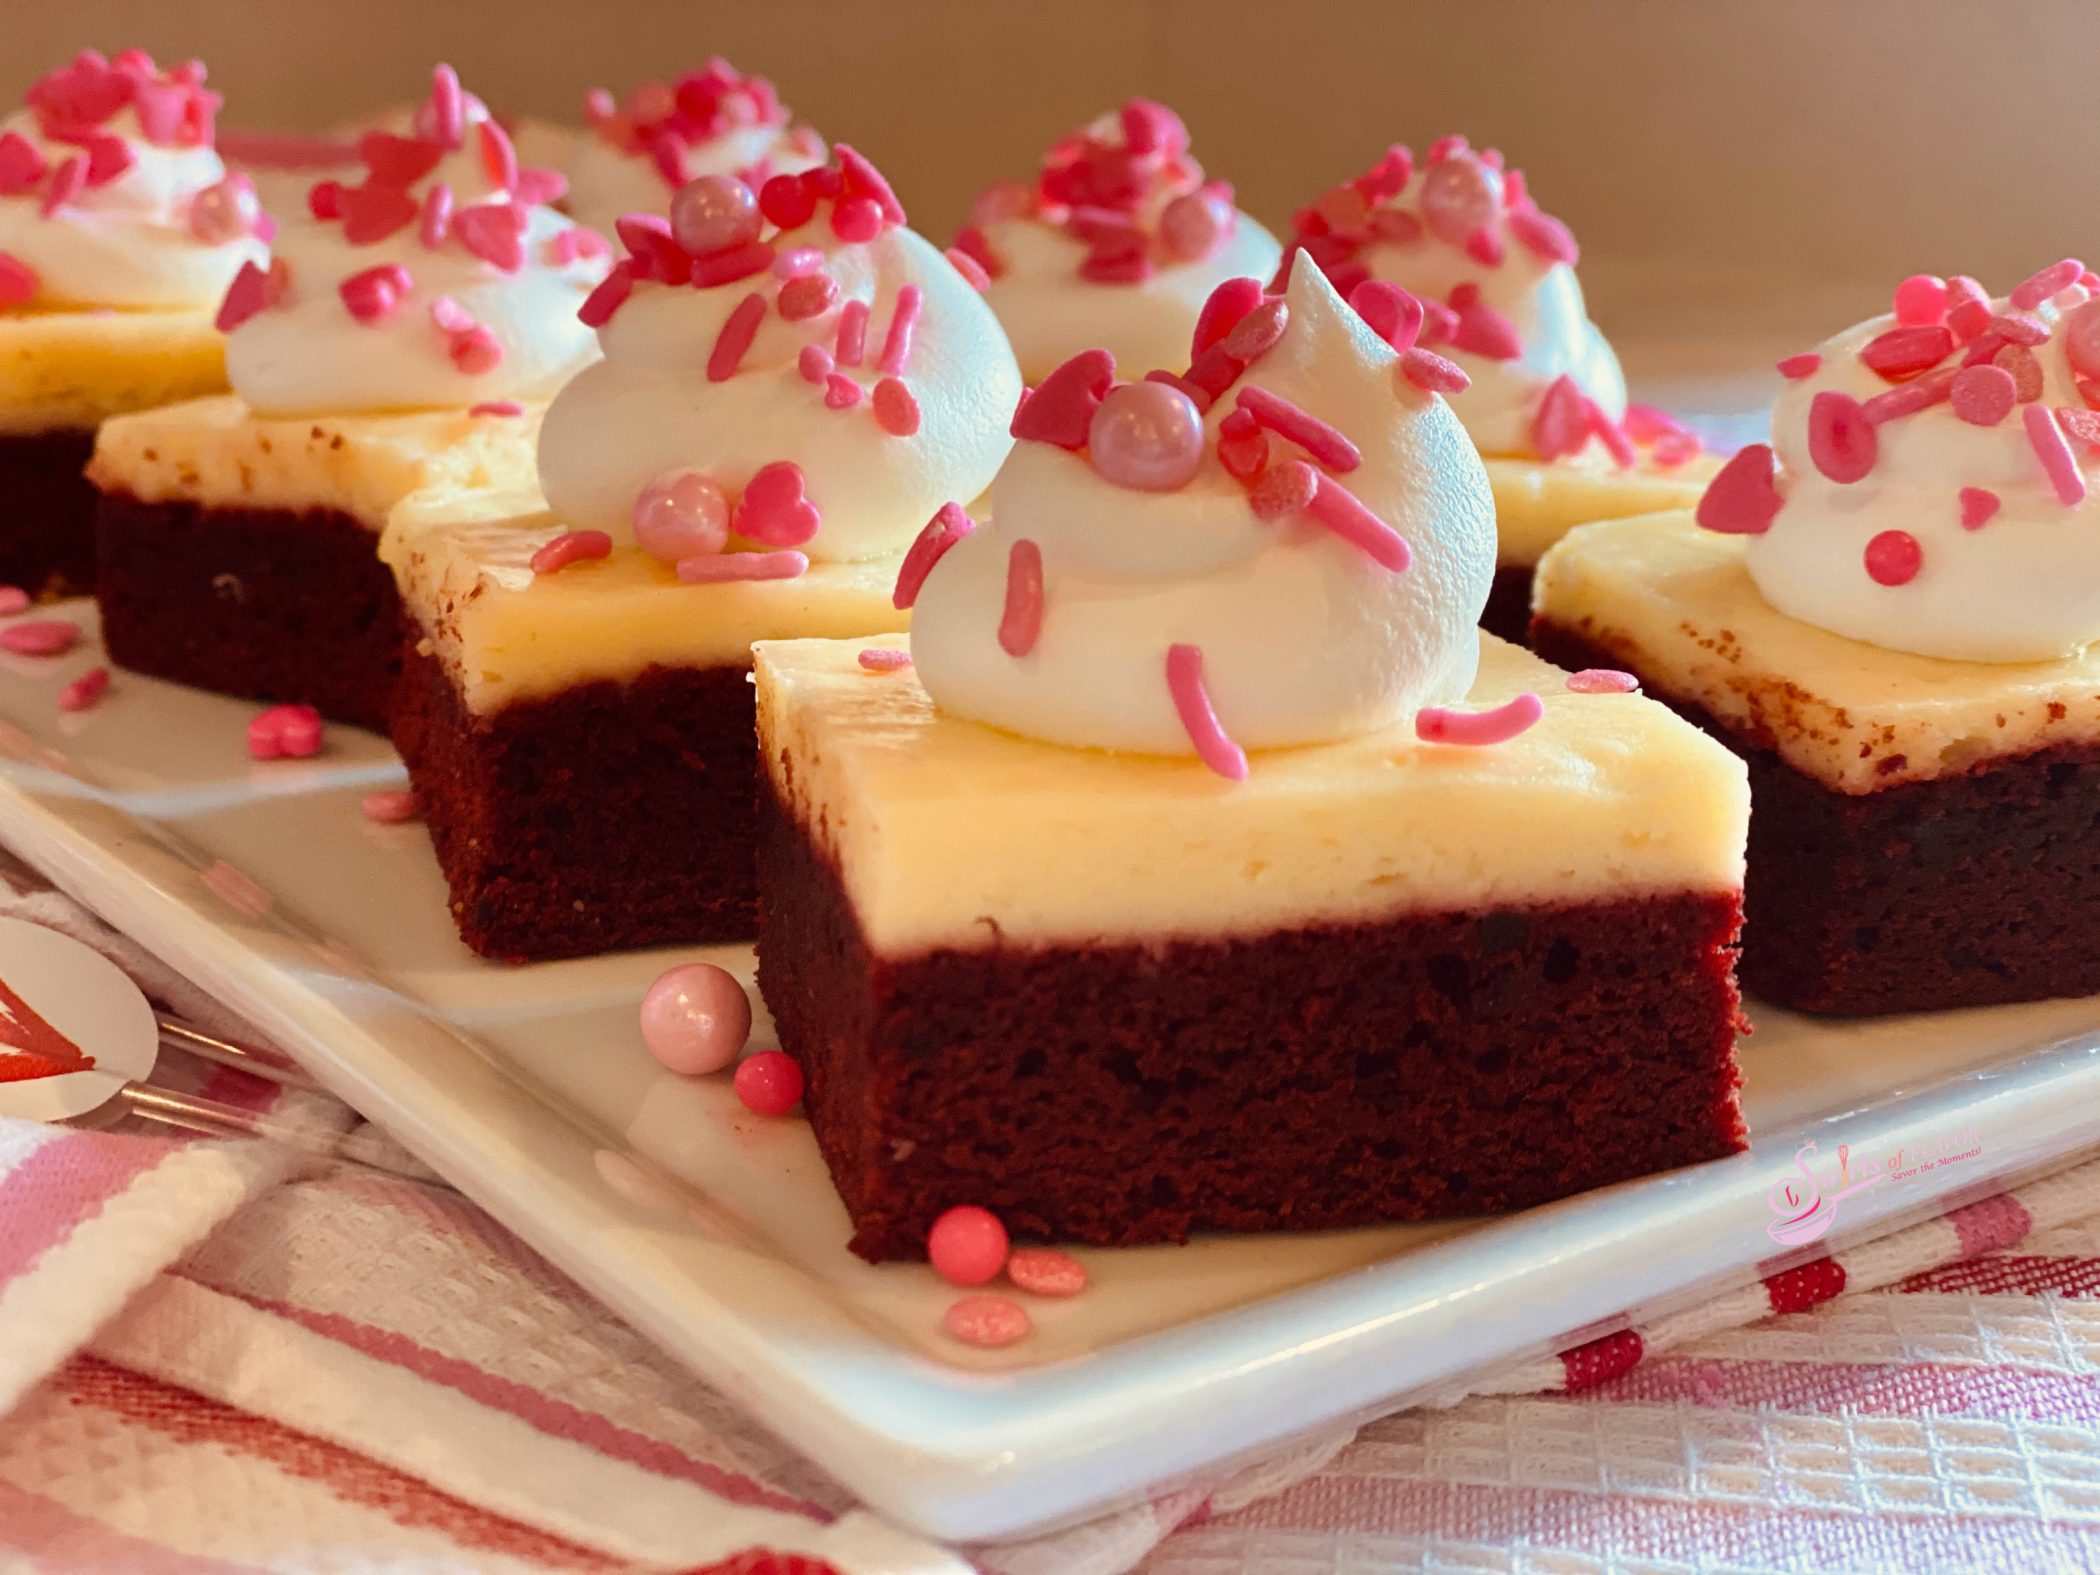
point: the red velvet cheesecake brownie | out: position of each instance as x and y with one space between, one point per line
1117 244
1210 869
119 229
1892 620
792 383
1547 403
404 335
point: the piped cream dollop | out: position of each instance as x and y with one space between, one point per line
1304 636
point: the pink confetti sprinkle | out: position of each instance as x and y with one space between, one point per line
1806 364
842 392
1477 729
285 732
1561 426
2058 463
884 659
814 364
1983 396
40 637
738 330
1296 425
1921 301
1968 307
496 407
1044 1271
896 344
1021 620
1893 558
2020 328
1841 439
947 527
85 690
769 1083
1256 334
1905 399
1342 512
391 807
853 333
719 568
988 1321
1432 373
1192 702
1979 506
576 546
896 408
2025 368
808 295
2037 288
13 599
1603 681
967 1245
1743 497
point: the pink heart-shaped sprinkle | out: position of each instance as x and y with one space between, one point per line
159 107
494 232
21 166
1062 409
1487 333
1742 498
1222 312
1978 506
397 161
372 213
773 509
1562 425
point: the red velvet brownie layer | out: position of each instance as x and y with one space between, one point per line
47 535
1438 1065
1972 889
262 604
1508 610
607 816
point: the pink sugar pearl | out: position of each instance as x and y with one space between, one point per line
681 514
1194 225
224 211
988 1321
769 1083
967 1245
714 214
1921 301
1459 195
1146 436
695 1020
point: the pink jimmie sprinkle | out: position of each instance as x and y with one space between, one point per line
1893 558
896 408
738 330
815 364
436 221
769 1083
1979 506
496 407
944 530
391 807
1905 352
1907 399
988 1321
717 568
1602 681
576 546
1044 1271
1192 703
1476 729
85 690
285 732
1021 621
13 599
1342 512
2037 288
39 637
896 344
2050 447
1432 373
884 659
853 333
1841 439
739 262
1796 367
609 296
1299 426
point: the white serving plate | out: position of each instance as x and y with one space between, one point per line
719 1235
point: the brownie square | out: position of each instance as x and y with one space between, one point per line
47 534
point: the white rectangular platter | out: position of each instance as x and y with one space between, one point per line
718 1234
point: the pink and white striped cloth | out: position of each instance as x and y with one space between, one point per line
213 1360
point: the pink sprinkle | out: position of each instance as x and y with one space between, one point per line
2020 328
1256 334
1742 498
797 261
1476 729
1603 681
1394 315
947 527
769 1083
1921 301
1841 439
285 732
374 294
1342 512
808 295
2037 288
739 262
1561 426
449 317
436 222
738 330
499 160
988 1321
815 364
896 408
970 268
391 807
1432 373
496 407
1021 621
40 637
1905 352
1545 236
1979 506
884 659
896 345
576 546
446 107
65 184
2054 452
1983 396
13 599
720 567
853 333
856 219
1611 435
1646 424
1905 399
85 690
1673 449
1282 490
1485 332
1893 558
841 392
476 351
1806 364
1968 307
1484 246
1192 702
18 281
1044 1271
1296 425
967 1245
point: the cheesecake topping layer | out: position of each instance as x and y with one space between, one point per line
441 279
1461 232
1291 545
1117 244
111 194
1928 484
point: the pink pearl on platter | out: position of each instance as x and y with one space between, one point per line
391 807
713 214
1194 225
681 514
1460 194
967 1245
769 1083
1044 1271
988 1322
226 210
695 1020
1146 436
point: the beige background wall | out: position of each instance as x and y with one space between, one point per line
1780 162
